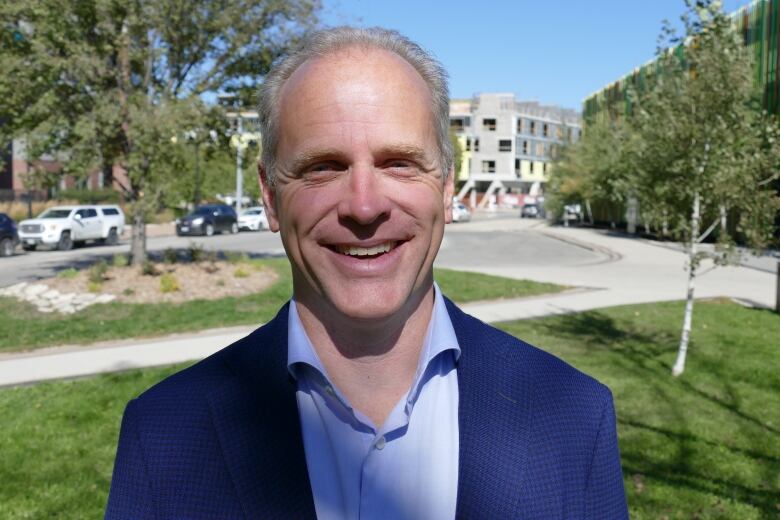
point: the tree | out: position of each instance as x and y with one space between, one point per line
105 82
592 170
705 153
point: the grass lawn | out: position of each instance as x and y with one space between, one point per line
23 327
706 445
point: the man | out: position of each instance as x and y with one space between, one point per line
370 395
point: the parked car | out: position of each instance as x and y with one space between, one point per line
531 211
63 226
9 235
253 219
460 213
207 220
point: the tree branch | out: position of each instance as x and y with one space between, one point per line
709 230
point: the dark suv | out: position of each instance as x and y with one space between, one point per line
207 220
9 236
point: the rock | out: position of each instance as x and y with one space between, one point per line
51 294
35 290
105 298
14 290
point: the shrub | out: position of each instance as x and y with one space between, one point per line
235 257
195 252
169 283
68 273
94 287
149 269
120 260
90 196
127 291
170 256
240 273
97 273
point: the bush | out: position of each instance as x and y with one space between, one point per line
68 273
94 287
240 273
149 269
169 283
102 196
235 257
127 291
170 256
195 252
120 260
97 273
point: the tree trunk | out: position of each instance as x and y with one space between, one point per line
590 211
138 243
682 352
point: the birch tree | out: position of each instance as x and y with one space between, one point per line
99 83
705 152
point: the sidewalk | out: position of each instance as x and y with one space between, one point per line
636 273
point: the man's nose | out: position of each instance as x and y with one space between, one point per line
364 199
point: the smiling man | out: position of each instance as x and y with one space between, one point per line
370 395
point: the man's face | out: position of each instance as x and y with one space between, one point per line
360 199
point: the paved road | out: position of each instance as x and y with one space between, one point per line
466 244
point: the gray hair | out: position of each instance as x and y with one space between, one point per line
328 41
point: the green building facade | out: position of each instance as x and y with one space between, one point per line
759 25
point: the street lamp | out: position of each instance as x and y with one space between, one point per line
240 140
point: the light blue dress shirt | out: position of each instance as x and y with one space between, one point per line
405 469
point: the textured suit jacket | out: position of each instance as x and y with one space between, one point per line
222 439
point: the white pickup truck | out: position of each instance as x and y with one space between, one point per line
62 226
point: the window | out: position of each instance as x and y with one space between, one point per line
525 147
540 149
517 167
519 126
476 144
545 130
504 145
91 213
460 123
110 211
468 144
559 132
532 127
489 125
488 166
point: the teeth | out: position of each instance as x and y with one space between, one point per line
366 251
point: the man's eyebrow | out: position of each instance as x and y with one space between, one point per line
401 150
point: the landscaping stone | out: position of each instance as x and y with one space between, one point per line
47 300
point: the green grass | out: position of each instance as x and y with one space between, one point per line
705 445
463 287
23 327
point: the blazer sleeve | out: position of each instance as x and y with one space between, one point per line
131 492
605 496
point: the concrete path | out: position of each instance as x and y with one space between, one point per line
627 271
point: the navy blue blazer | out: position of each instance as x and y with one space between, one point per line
222 439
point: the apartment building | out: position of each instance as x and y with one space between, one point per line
508 145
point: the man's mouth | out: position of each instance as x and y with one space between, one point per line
366 252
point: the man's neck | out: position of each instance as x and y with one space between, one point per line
372 363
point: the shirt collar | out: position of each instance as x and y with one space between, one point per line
439 338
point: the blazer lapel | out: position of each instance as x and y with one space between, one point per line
256 415
493 420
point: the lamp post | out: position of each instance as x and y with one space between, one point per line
240 139
197 137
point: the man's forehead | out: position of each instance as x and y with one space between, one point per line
353 67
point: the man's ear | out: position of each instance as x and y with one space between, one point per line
449 192
269 198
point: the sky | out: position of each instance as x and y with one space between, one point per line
555 52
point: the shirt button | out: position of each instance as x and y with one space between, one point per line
380 443
330 390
